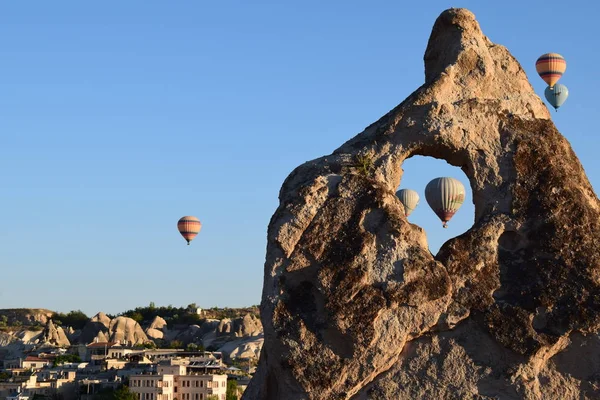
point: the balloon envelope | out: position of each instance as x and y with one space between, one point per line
550 67
556 95
409 199
189 227
445 196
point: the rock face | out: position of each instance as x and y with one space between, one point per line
158 323
55 335
157 328
40 316
248 325
99 323
121 329
246 348
126 330
356 307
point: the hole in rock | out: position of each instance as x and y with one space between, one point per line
509 240
418 172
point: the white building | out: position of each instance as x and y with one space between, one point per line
177 382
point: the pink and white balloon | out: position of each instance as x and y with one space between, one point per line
445 196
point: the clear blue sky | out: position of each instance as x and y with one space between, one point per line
119 117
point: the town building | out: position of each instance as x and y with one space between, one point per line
181 380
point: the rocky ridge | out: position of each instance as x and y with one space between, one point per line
236 337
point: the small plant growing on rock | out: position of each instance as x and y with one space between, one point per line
364 162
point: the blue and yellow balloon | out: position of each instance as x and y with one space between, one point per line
556 95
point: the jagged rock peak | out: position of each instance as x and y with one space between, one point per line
95 329
158 323
102 318
55 335
126 330
157 328
354 304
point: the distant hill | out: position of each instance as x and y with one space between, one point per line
25 316
237 332
76 319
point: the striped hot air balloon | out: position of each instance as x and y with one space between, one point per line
189 227
445 196
556 95
409 199
550 67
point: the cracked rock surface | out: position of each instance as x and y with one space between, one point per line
354 304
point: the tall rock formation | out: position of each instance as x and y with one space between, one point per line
157 328
120 329
126 330
55 335
99 323
356 307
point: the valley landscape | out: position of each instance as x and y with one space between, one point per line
237 333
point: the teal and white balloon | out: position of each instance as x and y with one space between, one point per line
409 199
445 196
556 95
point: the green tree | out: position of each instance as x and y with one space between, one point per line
232 390
122 393
3 320
176 344
75 319
191 308
66 358
137 317
146 345
192 347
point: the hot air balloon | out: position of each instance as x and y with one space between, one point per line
409 199
189 227
445 196
556 95
550 67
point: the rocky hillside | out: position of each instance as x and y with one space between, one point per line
24 330
25 316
